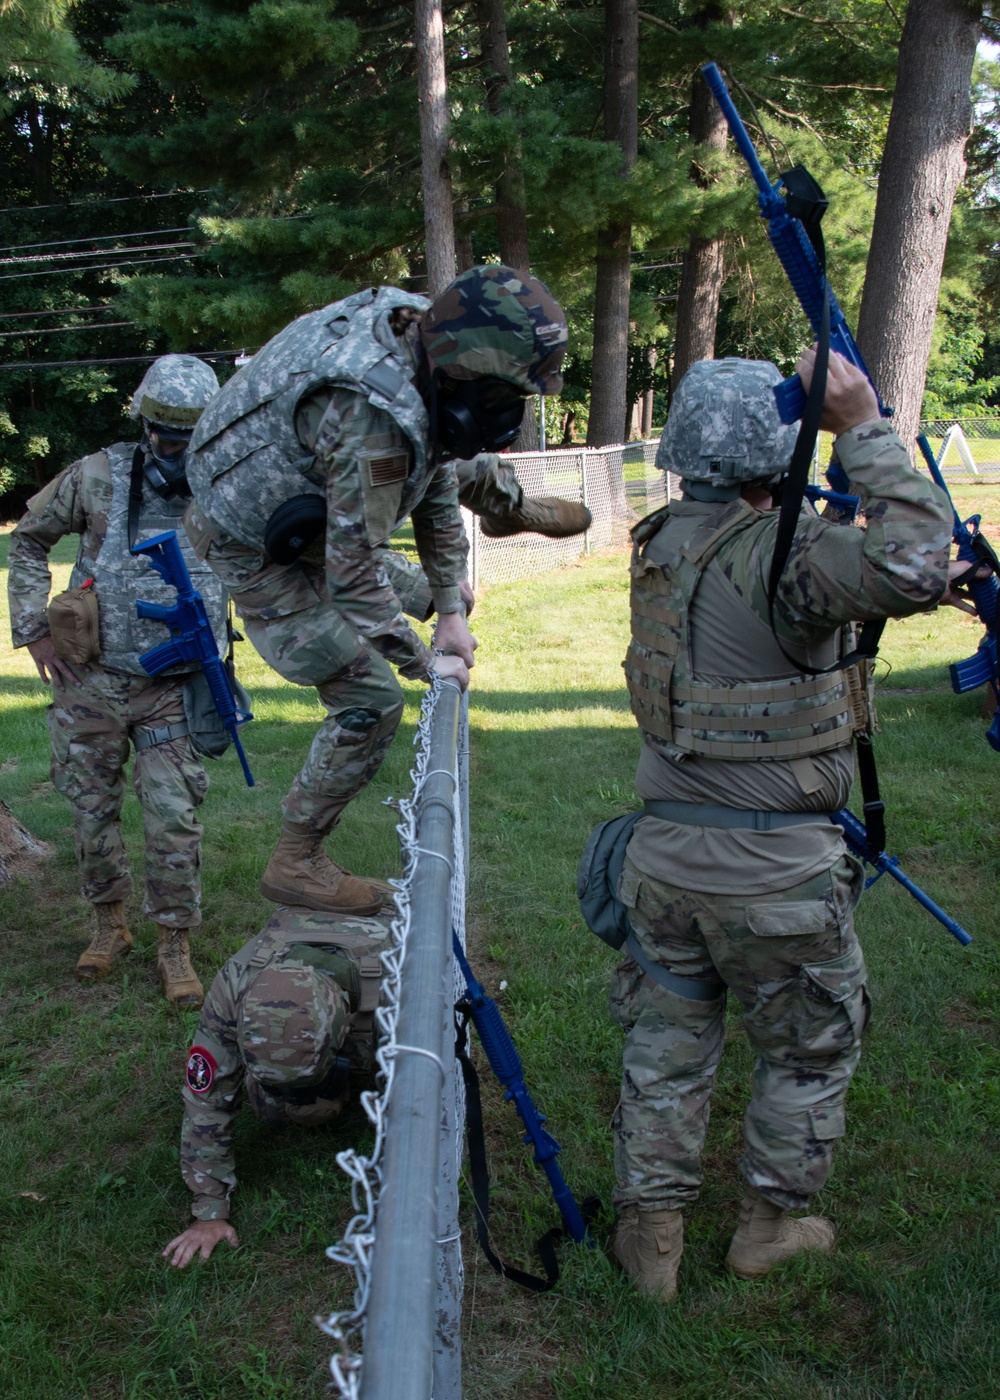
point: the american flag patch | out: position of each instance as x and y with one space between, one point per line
385 468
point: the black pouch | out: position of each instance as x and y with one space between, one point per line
597 879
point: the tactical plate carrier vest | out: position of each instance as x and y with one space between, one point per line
742 721
122 578
245 458
362 963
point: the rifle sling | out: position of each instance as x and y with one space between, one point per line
872 804
479 1171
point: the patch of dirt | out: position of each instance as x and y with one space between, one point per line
20 852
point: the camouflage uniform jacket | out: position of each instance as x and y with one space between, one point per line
836 574
329 407
91 498
213 1088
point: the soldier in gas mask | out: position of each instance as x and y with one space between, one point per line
342 426
88 642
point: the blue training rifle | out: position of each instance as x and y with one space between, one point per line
856 837
802 267
192 638
974 549
506 1065
798 257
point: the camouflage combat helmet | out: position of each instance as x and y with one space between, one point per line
290 1025
492 321
174 392
724 428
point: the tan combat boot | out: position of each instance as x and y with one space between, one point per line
648 1245
766 1236
181 986
109 942
541 515
301 872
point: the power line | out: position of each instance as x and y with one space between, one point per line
96 252
62 330
96 238
100 267
62 311
91 203
120 360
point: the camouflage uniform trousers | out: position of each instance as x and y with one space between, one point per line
90 726
794 961
363 702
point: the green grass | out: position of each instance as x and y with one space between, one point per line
907 1306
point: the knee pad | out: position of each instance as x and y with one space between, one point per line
357 721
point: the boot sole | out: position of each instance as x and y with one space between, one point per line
91 973
277 895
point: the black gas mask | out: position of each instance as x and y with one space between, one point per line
166 458
469 416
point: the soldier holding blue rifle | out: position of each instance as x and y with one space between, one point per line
735 879
89 642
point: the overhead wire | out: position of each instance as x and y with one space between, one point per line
91 203
117 360
93 238
91 267
63 330
60 311
97 252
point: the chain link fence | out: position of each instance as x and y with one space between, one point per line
967 449
618 485
403 1242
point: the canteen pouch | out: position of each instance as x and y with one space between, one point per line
73 624
209 735
597 879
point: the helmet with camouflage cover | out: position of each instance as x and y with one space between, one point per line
174 392
493 321
724 428
290 1025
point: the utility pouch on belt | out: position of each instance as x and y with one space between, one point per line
597 879
209 735
73 624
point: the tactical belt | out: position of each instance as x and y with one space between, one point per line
149 738
741 818
694 988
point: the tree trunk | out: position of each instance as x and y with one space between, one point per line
614 243
432 96
512 215
922 166
19 850
702 273
646 428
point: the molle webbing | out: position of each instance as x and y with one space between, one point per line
743 721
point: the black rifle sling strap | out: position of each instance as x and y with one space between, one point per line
479 1171
794 490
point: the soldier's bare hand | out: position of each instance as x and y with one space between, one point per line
453 667
468 597
452 635
955 596
200 1239
51 667
849 401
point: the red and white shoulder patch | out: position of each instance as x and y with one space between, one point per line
201 1070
